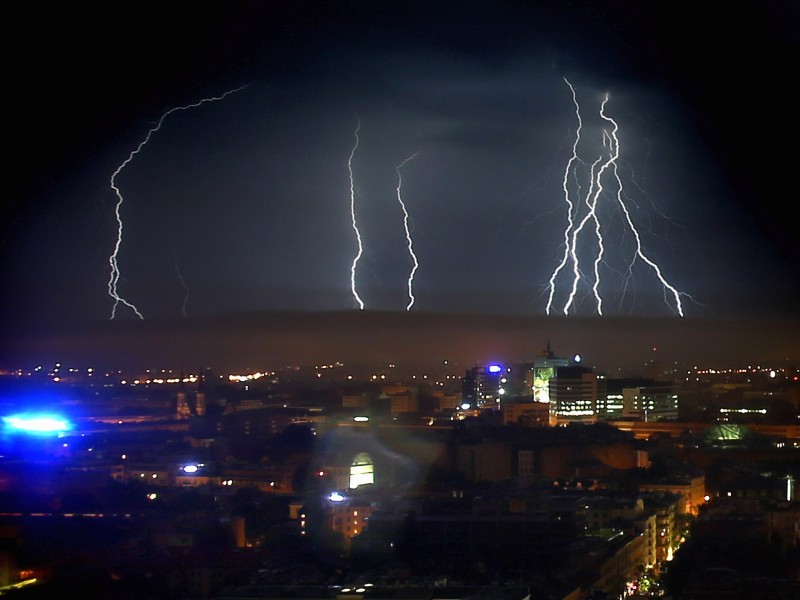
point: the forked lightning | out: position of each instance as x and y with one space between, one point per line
113 280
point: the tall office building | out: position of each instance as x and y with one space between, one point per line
544 367
481 387
574 394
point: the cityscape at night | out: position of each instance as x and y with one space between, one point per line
544 477
401 301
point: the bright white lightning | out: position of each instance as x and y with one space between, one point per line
407 228
573 231
676 295
595 189
113 280
353 220
570 206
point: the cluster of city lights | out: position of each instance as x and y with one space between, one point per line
249 376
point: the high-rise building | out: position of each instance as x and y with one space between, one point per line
481 387
544 367
574 392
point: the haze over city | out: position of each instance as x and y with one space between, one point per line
344 181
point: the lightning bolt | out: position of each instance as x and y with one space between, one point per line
595 189
668 288
407 229
353 220
113 280
570 206
183 285
576 228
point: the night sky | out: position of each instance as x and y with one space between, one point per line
242 203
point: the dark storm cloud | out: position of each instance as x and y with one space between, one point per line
245 202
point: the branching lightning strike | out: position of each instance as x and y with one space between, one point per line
113 280
407 229
360 244
587 210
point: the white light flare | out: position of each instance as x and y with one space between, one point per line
360 251
407 229
596 195
113 280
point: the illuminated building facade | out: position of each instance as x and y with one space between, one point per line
200 397
544 368
652 403
640 399
669 527
184 408
481 387
184 411
362 471
692 490
574 392
347 517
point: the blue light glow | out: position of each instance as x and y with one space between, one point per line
37 424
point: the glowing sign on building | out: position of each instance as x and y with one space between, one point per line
544 369
361 470
541 383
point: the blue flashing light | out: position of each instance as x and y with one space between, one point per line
37 424
494 368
